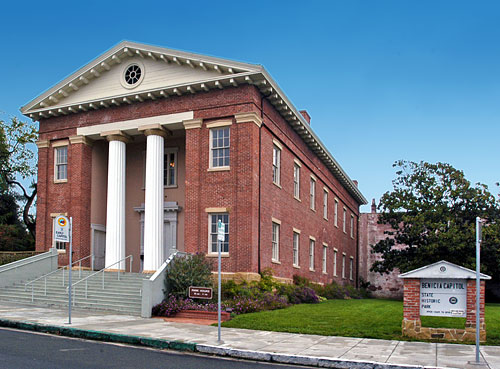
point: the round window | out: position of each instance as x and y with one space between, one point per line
133 74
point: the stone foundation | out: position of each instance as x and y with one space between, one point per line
413 328
237 277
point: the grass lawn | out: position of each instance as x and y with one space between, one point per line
368 318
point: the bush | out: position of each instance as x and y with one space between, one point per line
268 301
173 304
193 270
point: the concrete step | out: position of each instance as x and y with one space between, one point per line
90 296
124 308
122 295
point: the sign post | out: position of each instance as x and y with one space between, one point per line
478 283
63 233
221 230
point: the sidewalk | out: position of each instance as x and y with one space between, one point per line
335 352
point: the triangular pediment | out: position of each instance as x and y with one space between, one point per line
442 269
164 72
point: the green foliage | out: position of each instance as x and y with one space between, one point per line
13 235
193 270
432 211
18 166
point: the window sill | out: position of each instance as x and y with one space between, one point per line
336 226
325 273
275 261
325 219
218 169
312 270
60 180
296 266
169 187
215 255
277 185
313 209
61 251
298 199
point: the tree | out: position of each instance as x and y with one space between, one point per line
432 211
17 165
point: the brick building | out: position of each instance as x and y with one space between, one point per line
146 148
386 285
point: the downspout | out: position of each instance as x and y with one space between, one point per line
260 180
357 250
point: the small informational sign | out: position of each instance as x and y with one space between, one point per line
61 229
200 293
443 297
221 230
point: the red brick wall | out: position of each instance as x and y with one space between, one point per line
234 189
280 203
471 304
411 301
370 233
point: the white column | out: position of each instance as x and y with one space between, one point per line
115 214
154 254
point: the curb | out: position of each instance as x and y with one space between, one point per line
321 362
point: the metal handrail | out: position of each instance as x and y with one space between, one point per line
99 271
55 271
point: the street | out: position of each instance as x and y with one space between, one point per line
19 349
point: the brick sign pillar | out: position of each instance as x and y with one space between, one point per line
470 323
442 289
411 306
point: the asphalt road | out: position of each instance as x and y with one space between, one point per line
19 349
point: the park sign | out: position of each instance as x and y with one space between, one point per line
446 290
443 297
62 229
200 293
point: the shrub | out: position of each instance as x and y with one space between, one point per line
268 301
193 270
173 304
333 291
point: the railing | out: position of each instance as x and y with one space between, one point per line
103 274
56 271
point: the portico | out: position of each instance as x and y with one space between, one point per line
151 139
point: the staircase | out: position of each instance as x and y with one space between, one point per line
123 296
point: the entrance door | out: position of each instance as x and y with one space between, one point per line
99 246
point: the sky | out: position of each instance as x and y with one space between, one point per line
382 80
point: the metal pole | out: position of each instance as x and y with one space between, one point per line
478 284
219 246
70 262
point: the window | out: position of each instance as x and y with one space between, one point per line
336 212
351 263
296 249
325 204
213 220
170 168
343 265
276 242
219 147
296 181
352 226
60 246
335 262
324 258
312 193
311 254
344 220
61 163
276 164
